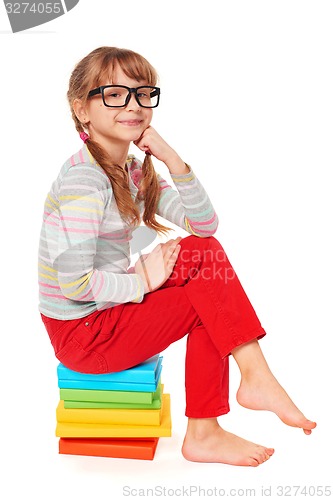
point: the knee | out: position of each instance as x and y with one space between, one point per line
193 240
196 246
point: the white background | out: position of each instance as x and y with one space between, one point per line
262 148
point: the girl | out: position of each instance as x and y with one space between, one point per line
102 316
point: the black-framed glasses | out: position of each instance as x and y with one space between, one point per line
118 96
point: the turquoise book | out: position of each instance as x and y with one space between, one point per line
143 378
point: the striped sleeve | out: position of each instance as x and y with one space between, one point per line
189 207
83 196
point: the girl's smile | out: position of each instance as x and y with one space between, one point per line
130 123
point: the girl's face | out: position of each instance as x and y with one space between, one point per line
113 127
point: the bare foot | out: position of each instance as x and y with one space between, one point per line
206 441
261 391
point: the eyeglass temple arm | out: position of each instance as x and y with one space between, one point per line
95 92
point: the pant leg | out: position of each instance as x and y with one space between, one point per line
215 292
202 296
206 377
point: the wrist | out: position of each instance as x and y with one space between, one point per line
176 165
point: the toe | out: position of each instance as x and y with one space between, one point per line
252 462
259 456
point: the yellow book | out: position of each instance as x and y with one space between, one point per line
108 416
68 429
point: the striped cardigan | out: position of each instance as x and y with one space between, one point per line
84 250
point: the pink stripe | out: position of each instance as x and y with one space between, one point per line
50 223
81 156
101 286
49 212
204 223
52 215
79 219
72 161
53 295
206 232
73 230
49 286
202 231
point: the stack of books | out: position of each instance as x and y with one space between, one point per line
119 414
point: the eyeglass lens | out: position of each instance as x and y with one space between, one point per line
116 96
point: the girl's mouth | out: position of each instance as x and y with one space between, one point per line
130 123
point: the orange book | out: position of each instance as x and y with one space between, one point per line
143 449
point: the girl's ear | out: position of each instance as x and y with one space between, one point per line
80 111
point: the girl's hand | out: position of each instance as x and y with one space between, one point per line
156 267
151 142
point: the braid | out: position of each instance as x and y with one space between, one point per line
151 195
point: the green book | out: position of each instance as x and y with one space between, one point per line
98 396
154 405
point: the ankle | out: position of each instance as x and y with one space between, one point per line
200 428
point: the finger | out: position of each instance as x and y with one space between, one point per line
170 251
164 247
172 258
157 248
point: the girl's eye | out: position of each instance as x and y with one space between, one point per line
143 95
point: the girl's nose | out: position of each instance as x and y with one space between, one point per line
132 103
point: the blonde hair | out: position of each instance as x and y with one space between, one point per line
92 71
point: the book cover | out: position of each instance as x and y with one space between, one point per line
71 430
139 374
154 405
95 395
105 385
143 449
116 416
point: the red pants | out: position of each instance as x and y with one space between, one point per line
203 298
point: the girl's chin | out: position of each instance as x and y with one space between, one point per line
132 137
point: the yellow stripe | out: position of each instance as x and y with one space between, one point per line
92 159
93 210
139 293
51 206
73 283
79 290
72 197
189 229
52 200
47 268
183 180
47 277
